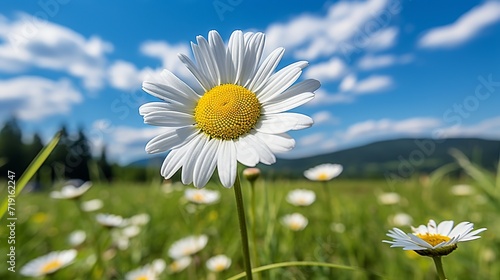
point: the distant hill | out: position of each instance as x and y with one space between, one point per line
400 157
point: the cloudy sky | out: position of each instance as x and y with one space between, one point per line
388 68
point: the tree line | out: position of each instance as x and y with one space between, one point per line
71 159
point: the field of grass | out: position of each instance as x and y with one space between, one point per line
350 234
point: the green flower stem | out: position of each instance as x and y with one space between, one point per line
439 267
253 224
243 227
328 195
287 264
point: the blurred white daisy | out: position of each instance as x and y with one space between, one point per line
187 246
295 221
147 272
462 190
110 220
323 172
131 231
238 115
139 219
389 198
179 265
71 191
434 240
92 205
301 197
48 264
401 219
218 263
202 196
77 237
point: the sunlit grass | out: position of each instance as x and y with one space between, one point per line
350 237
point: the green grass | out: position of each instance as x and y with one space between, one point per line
43 226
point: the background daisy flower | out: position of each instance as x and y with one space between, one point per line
323 172
218 263
295 221
71 191
434 240
110 220
202 196
300 197
48 264
187 246
238 115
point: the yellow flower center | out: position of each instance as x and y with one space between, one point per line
322 177
227 112
433 239
198 197
142 277
219 267
51 266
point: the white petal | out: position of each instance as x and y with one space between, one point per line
169 118
444 228
279 105
278 143
236 47
309 85
195 147
206 61
205 164
183 88
283 122
172 163
245 153
253 52
280 81
219 50
266 69
461 229
226 163
199 75
266 156
169 139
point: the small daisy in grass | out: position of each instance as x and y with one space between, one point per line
434 240
179 265
92 205
187 246
323 172
76 238
202 196
389 198
295 221
147 272
139 219
48 264
300 197
71 191
218 263
462 190
238 114
110 220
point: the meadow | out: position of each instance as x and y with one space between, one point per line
348 231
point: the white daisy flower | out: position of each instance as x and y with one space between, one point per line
434 240
301 197
323 172
389 198
179 265
238 115
147 272
462 190
48 264
295 221
71 191
202 196
77 237
109 220
401 219
218 263
92 205
187 246
139 219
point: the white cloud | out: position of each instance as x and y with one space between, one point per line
311 139
464 28
34 98
322 97
348 83
347 25
168 54
35 43
332 69
374 83
388 128
488 128
322 117
371 62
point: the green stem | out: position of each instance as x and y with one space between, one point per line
298 263
243 227
253 224
439 267
328 199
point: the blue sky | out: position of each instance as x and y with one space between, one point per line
388 69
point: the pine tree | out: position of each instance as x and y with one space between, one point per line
12 149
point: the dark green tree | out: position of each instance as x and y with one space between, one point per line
104 166
12 149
